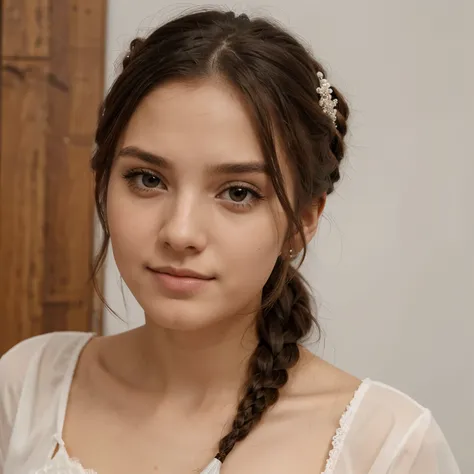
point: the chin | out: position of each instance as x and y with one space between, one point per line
179 315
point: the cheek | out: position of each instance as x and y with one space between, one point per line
253 247
243 247
129 228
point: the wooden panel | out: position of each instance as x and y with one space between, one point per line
69 235
22 197
26 26
73 83
47 124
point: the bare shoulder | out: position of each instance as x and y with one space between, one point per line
320 387
308 412
106 356
313 372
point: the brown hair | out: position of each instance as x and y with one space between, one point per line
277 76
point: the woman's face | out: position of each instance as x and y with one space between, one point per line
188 193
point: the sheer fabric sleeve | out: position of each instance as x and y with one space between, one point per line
424 450
14 366
9 394
388 432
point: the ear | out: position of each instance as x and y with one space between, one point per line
310 220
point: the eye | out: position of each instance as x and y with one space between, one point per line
149 180
241 196
142 180
238 194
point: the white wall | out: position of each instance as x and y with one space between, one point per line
393 265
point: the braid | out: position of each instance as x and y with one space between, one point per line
280 327
279 82
338 145
136 45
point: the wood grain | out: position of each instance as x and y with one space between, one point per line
26 28
52 84
22 197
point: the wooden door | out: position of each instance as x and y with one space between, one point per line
51 85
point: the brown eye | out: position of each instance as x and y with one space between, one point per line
238 194
241 197
143 181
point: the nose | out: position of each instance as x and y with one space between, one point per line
184 224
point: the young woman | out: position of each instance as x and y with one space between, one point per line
217 146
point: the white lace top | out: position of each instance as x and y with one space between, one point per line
382 431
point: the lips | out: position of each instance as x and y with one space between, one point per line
180 283
181 273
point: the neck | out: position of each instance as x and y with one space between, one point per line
201 368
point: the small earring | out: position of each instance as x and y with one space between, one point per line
291 254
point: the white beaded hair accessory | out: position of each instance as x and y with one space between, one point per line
327 103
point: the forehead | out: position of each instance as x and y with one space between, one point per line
204 121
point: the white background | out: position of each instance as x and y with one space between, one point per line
393 264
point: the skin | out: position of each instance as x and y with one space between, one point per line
159 398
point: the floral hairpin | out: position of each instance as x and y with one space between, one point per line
327 103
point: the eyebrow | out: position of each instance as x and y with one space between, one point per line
221 168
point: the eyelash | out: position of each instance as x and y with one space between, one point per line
131 175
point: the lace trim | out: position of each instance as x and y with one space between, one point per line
213 468
62 463
344 426
66 466
73 466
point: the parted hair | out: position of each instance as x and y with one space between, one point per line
276 75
